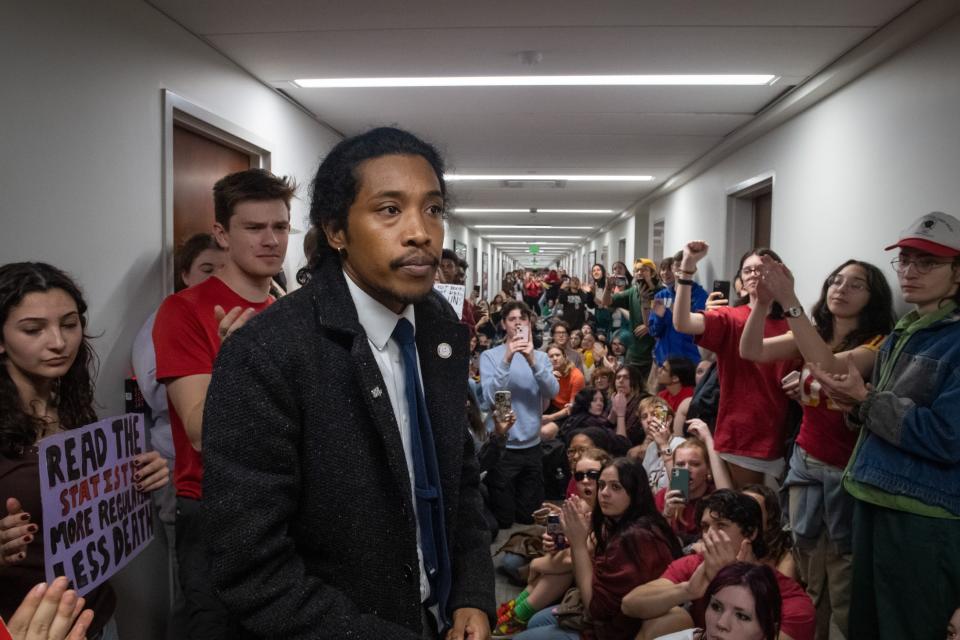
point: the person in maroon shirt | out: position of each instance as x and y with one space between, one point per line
631 543
252 212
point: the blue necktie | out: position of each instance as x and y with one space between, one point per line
427 492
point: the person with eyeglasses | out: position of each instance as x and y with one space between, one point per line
752 410
849 321
904 472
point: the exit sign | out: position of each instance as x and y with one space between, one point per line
534 248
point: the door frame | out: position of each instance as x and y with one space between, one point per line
739 223
178 111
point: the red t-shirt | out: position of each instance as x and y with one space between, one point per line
674 401
798 618
186 338
753 407
823 432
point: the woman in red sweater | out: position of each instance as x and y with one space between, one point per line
624 543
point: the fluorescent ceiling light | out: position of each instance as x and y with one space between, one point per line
531 210
533 238
501 242
524 226
537 177
540 81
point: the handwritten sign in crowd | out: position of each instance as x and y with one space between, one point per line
454 295
94 519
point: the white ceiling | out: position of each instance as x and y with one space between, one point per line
622 130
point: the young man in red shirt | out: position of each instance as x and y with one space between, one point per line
678 377
732 531
252 212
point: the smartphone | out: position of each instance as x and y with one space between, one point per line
620 281
523 331
502 404
680 480
660 413
722 287
793 376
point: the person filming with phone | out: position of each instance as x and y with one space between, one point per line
516 483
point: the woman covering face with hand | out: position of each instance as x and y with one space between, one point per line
46 387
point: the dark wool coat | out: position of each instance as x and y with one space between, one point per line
308 515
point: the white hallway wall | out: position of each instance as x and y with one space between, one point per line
80 176
850 172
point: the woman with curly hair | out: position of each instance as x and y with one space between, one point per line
46 387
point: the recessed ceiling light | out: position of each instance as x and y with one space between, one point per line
523 226
537 177
540 81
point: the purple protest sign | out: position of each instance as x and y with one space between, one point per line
94 519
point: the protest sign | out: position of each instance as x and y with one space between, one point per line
454 294
94 519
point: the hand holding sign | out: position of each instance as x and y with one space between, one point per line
152 471
16 532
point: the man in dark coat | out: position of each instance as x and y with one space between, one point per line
310 515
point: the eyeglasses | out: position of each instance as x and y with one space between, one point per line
853 284
750 271
922 266
593 474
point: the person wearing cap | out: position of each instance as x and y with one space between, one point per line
904 473
637 300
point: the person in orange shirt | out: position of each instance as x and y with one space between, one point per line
571 381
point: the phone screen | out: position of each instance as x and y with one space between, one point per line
680 480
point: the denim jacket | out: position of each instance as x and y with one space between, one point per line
911 443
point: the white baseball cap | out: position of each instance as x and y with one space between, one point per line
936 233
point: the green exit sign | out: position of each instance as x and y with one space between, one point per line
534 248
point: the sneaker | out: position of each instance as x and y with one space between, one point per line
508 626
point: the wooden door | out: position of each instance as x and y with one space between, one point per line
762 210
198 162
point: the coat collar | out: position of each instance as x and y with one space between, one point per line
441 346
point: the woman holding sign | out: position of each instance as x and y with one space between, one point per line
46 387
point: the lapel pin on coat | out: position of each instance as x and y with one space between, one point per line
444 350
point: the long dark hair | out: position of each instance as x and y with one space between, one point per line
761 581
642 510
776 311
876 317
602 282
74 391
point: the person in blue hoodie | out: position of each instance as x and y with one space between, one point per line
904 473
670 342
